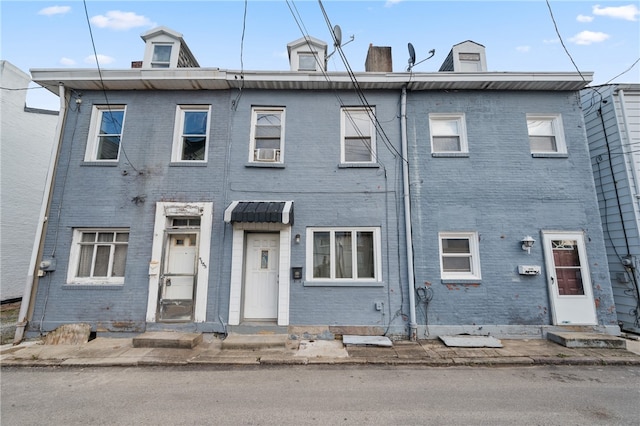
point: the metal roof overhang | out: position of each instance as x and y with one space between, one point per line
260 212
217 79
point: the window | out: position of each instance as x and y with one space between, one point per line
105 133
267 135
459 256
191 133
161 56
98 256
448 133
307 62
545 134
343 254
358 137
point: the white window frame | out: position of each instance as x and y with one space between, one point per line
459 119
279 154
377 255
74 257
558 132
312 55
161 64
181 110
474 255
369 112
93 142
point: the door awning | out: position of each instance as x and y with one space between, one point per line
260 211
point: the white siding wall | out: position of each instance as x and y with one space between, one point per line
26 140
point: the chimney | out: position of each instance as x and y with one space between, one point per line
378 59
136 64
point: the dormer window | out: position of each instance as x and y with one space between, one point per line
307 62
161 56
307 54
470 62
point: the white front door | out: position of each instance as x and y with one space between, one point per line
568 278
261 277
177 282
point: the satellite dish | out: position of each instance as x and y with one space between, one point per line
337 34
412 55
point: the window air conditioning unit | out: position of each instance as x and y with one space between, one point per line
263 154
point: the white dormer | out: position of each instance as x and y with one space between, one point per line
166 48
467 56
307 54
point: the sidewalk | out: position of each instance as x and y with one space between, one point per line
120 352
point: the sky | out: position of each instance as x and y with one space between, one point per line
601 36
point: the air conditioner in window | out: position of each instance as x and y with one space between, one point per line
266 154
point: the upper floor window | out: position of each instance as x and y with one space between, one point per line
307 62
267 135
546 134
343 254
98 256
191 133
459 255
105 133
357 136
161 56
448 133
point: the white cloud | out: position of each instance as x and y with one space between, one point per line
584 18
391 3
54 10
67 61
551 41
628 13
120 21
523 49
102 59
588 37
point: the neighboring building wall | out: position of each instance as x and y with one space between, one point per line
503 193
612 116
27 139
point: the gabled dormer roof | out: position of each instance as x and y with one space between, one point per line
165 48
305 52
467 56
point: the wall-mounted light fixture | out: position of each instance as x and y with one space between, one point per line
527 243
297 238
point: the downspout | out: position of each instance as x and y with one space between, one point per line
31 286
413 326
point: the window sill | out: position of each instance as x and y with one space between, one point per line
358 166
100 164
93 286
188 164
450 154
549 155
266 165
343 284
461 281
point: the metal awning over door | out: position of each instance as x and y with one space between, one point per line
260 212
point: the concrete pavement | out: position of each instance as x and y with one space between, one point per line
107 351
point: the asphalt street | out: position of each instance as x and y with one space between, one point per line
321 395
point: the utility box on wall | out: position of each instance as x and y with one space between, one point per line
296 272
529 269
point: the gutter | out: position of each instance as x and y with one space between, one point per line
413 326
31 286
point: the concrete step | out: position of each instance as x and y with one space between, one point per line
255 341
167 339
571 339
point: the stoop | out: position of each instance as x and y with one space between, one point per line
254 341
167 339
586 340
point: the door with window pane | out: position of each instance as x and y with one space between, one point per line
177 283
261 277
568 278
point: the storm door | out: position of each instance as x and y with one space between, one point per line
176 290
569 280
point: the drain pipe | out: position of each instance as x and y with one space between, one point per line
413 326
26 308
